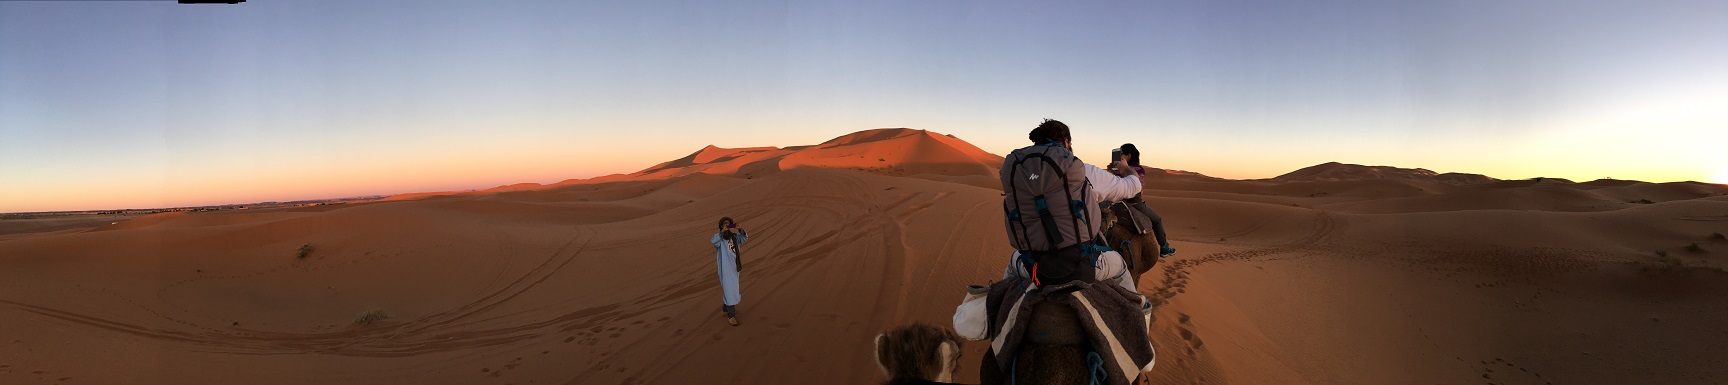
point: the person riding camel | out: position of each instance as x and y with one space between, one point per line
1138 202
1099 185
1061 269
728 249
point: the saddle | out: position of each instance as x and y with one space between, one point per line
1135 219
1102 318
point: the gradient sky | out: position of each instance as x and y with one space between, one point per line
152 104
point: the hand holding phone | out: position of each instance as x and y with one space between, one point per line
1116 159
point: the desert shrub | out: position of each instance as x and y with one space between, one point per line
1663 264
1694 248
1644 201
1719 237
305 249
371 315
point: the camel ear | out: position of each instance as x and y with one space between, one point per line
879 339
947 350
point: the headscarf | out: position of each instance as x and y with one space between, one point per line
730 237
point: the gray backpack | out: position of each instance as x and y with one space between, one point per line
1049 219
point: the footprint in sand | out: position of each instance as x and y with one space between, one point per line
1193 339
568 339
1502 371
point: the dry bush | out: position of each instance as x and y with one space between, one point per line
371 315
1694 248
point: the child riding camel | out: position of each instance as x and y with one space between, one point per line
1139 203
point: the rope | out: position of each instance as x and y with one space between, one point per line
1035 275
1126 248
1095 367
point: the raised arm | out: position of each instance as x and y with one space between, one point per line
1107 187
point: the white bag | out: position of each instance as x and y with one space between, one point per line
971 318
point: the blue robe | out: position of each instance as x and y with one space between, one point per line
728 267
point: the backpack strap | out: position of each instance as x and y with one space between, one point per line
1031 266
1050 231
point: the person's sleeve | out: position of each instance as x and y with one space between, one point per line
743 236
715 240
1107 187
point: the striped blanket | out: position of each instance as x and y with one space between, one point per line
1110 315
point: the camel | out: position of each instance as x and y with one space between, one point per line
1056 349
918 354
1054 352
1141 250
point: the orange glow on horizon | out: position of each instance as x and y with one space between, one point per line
491 164
193 189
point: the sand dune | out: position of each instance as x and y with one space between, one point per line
1339 279
1343 171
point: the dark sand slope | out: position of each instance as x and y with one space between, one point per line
611 281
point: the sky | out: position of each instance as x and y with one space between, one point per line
108 105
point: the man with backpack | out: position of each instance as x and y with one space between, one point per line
1050 202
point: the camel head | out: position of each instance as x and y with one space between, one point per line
918 351
1107 219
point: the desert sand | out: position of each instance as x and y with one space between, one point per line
1335 274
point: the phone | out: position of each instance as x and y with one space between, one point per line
1115 156
731 225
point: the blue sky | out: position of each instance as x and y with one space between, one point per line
147 104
